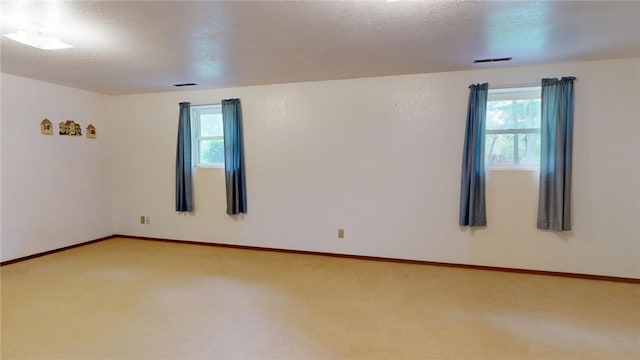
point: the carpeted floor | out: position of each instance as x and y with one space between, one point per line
135 299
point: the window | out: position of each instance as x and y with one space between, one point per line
208 136
513 128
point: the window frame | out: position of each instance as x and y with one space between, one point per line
196 112
526 92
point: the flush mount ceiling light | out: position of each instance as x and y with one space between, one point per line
37 38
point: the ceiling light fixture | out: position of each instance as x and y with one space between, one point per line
37 38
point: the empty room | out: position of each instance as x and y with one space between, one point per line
320 180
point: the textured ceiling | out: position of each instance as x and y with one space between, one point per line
128 47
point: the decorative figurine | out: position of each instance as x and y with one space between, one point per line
46 127
91 131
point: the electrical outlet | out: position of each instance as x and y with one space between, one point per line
142 219
340 233
147 220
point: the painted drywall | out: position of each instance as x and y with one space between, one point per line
380 157
55 189
1 169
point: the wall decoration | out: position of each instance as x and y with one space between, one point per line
46 127
91 131
69 127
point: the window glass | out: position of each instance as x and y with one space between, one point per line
513 128
208 136
513 114
211 152
211 125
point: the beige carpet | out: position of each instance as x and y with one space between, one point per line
135 299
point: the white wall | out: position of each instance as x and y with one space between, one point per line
1 91
380 157
55 189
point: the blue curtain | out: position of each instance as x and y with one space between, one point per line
556 129
472 188
184 183
234 157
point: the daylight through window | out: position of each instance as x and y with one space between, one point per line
513 127
208 136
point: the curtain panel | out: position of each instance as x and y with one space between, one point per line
234 157
472 188
556 129
184 169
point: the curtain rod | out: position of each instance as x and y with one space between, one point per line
509 86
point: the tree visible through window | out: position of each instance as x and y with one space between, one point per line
513 127
208 144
